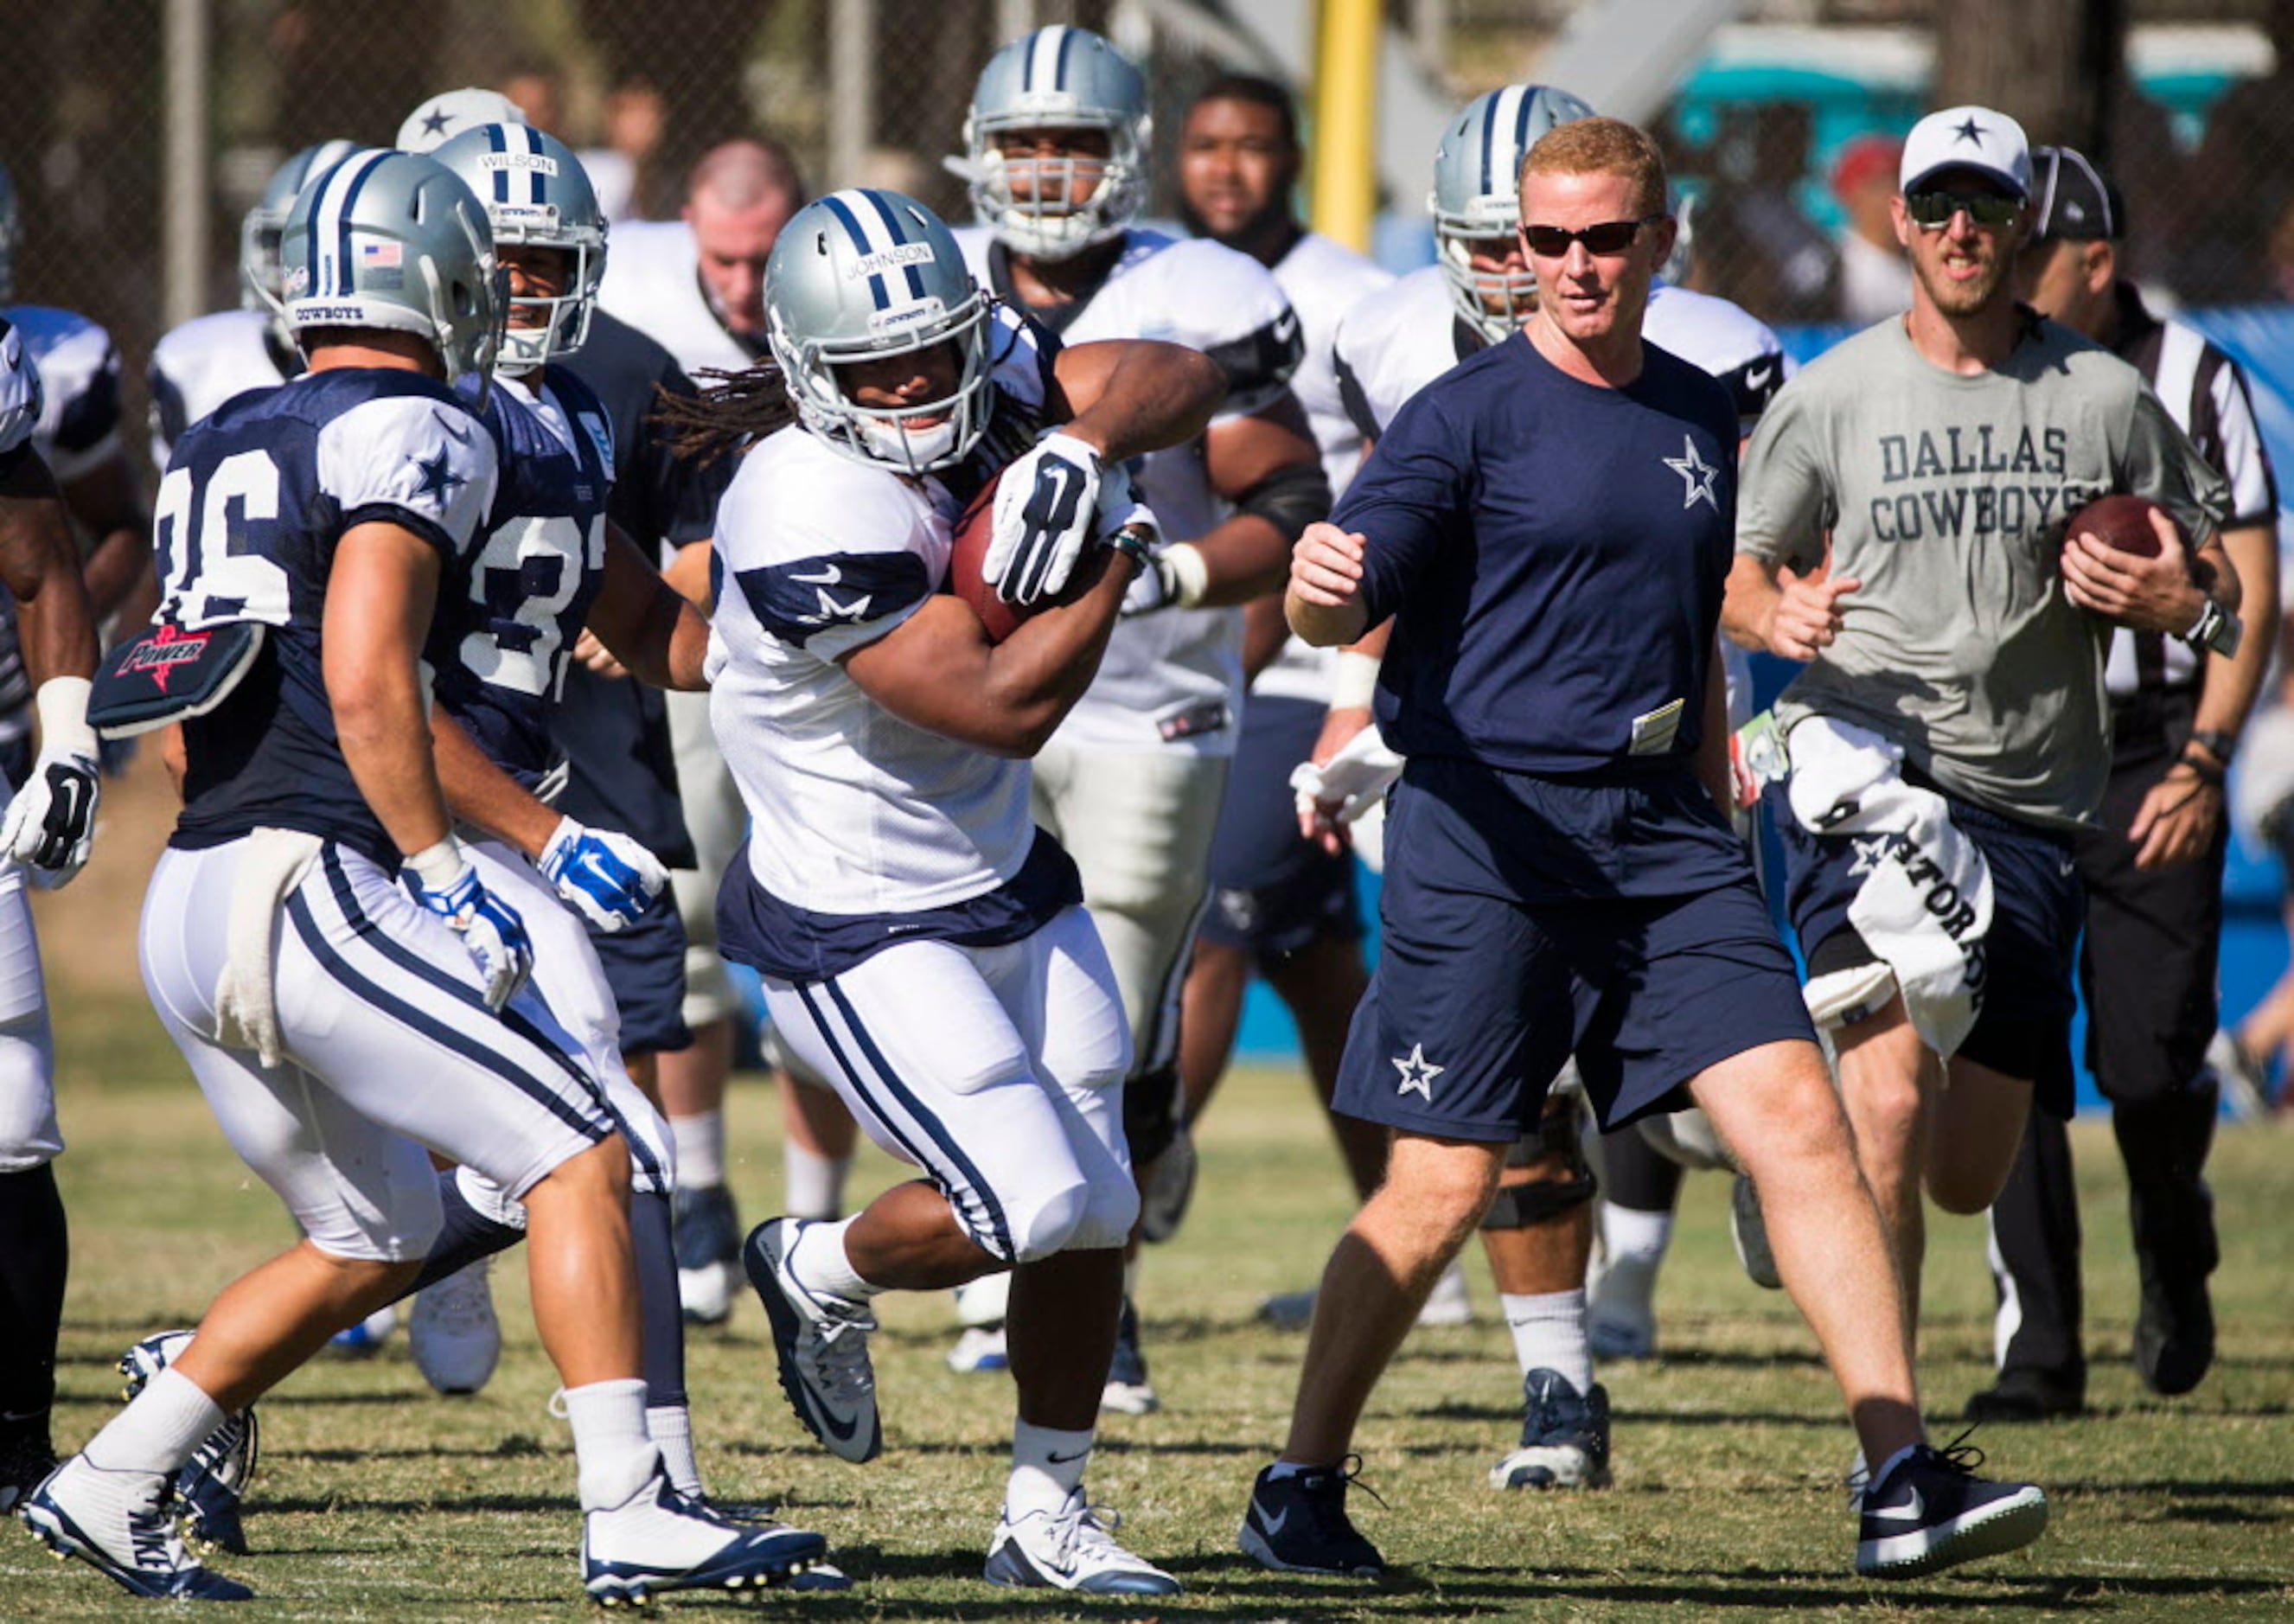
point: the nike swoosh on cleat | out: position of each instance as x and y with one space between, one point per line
1911 1513
1273 1525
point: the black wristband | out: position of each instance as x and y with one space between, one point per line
2215 742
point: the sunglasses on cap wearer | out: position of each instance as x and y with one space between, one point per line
1931 211
1608 237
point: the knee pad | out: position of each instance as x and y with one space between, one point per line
29 1135
1150 1112
1044 1227
1110 1210
1520 1206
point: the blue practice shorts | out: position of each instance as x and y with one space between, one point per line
2024 1026
645 967
1525 919
1272 891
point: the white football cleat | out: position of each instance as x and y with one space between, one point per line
452 1331
659 1540
1070 1549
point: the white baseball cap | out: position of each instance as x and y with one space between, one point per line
1976 138
442 118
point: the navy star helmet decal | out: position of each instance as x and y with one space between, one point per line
793 601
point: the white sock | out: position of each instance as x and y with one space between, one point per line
1282 1469
670 1428
1633 1245
821 1265
1047 1467
815 1183
616 1455
169 1419
1549 1334
700 1142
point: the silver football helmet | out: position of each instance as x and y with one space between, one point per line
11 234
535 192
259 272
1477 173
392 240
1058 79
860 274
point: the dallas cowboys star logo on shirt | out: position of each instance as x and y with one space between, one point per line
832 611
1699 477
1418 1073
438 476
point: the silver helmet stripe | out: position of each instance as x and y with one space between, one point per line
1511 113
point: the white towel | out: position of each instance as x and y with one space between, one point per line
1926 903
1350 788
246 999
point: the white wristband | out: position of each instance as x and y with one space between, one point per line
438 866
1191 576
1354 680
63 704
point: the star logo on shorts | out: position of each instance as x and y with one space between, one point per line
1701 478
1418 1073
1870 853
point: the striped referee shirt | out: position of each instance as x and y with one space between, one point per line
2205 392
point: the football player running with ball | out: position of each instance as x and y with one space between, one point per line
923 944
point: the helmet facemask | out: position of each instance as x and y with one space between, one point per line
882 434
1054 207
1493 303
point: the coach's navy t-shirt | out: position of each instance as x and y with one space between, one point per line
1553 554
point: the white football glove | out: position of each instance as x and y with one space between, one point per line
1046 511
51 824
448 884
608 875
1349 785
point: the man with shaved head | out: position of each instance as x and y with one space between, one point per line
696 285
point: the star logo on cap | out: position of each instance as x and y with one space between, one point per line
1696 474
1970 132
433 122
1418 1073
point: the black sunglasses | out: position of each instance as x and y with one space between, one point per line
1931 211
1608 237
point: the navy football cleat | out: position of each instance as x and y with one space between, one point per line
1931 1512
213 1483
823 1348
1564 1437
1299 1524
661 1541
138 1549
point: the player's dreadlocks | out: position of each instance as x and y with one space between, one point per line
732 412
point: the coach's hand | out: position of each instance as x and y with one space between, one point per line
448 884
2152 594
609 877
1046 507
1326 566
51 824
1806 617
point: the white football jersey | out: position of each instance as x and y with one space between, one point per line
653 281
1172 679
854 810
80 375
19 390
197 366
1322 280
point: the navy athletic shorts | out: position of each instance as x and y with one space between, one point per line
1272 891
2023 1027
1526 918
645 967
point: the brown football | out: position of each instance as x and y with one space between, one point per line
974 528
2121 523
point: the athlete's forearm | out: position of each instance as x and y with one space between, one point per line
1155 395
55 629
654 632
481 794
1749 609
2228 687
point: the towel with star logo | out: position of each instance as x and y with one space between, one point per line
1923 905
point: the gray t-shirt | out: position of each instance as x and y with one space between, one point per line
1945 496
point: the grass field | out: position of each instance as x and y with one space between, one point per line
377 1500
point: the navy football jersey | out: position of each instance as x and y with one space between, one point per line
249 517
500 646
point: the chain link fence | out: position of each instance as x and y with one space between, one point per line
1772 135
